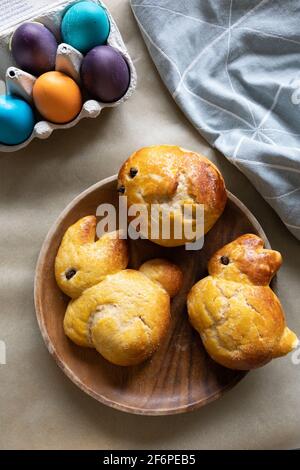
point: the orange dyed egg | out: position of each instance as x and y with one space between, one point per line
57 97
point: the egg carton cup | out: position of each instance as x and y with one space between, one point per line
68 61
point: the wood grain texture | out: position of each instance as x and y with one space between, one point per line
180 376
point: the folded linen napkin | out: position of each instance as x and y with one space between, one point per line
233 66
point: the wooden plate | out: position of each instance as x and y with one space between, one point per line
180 376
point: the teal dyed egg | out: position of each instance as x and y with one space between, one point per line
85 25
16 120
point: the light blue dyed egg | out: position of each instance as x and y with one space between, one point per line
16 120
85 25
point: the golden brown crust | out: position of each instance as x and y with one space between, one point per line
167 274
247 259
125 317
239 318
82 262
171 176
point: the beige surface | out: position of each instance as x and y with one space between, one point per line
39 406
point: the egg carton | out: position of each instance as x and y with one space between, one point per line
68 61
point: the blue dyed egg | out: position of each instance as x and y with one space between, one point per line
85 25
16 120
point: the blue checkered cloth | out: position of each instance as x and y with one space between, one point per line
233 66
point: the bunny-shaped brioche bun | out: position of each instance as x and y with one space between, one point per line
82 262
238 316
125 316
172 179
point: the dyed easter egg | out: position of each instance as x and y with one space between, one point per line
57 97
16 120
34 48
85 25
105 74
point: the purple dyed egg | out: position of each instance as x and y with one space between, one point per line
105 74
34 48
